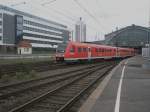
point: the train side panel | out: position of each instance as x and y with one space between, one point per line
81 51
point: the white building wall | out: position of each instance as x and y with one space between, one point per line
43 22
80 31
23 50
42 34
38 41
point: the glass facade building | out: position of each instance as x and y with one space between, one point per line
42 34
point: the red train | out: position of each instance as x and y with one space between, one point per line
73 51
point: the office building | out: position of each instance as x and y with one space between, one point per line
17 27
80 31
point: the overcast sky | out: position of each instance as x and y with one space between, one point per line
101 16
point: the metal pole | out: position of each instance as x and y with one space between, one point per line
148 44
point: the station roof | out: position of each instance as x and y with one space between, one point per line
130 36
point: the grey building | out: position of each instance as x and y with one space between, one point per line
131 36
80 31
42 34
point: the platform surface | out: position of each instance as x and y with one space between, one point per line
127 89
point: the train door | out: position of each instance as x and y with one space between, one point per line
117 52
89 53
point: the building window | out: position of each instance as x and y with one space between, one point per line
26 49
19 32
0 38
19 19
0 15
19 26
41 25
41 31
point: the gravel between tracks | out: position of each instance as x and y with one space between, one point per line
12 101
54 101
44 74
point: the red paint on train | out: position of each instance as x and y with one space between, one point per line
74 51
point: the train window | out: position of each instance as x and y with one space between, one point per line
72 49
61 48
99 50
84 49
102 50
96 50
89 49
79 49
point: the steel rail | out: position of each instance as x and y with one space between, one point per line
37 99
69 104
39 85
28 81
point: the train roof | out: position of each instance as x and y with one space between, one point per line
89 44
95 45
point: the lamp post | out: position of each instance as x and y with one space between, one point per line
148 43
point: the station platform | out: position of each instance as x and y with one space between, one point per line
125 89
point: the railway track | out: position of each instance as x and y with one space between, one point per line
38 67
14 100
11 89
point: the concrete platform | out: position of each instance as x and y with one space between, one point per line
125 89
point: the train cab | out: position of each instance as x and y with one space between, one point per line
60 52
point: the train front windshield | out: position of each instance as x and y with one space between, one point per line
61 48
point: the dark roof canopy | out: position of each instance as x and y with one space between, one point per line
130 36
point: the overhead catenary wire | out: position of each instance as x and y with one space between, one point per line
61 13
48 2
104 13
91 15
46 11
69 17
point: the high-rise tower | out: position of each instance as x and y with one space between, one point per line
80 31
